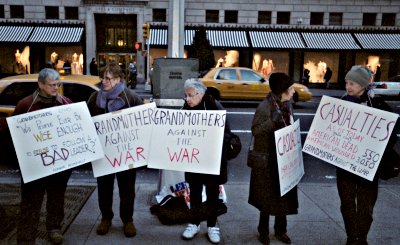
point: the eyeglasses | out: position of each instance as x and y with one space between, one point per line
53 85
189 96
109 78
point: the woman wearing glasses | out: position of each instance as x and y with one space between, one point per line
115 96
197 98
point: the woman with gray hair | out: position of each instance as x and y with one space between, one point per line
197 98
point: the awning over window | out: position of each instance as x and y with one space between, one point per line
378 41
158 37
221 38
217 38
329 40
15 33
270 39
51 34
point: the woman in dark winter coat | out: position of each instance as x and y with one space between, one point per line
196 98
112 97
358 195
274 113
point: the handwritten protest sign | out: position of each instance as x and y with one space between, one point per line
349 135
189 141
290 157
52 140
125 137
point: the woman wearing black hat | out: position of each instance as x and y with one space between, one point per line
274 113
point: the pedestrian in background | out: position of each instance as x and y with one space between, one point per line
274 113
358 195
113 96
94 71
196 98
55 185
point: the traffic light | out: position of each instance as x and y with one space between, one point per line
138 46
146 30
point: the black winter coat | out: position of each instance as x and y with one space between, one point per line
209 103
264 181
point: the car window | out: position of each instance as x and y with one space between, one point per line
17 91
77 92
227 74
250 76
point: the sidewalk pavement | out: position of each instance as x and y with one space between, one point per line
319 220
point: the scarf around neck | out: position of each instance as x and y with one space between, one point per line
110 100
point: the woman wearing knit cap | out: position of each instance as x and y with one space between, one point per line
358 195
274 113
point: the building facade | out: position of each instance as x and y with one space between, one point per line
324 37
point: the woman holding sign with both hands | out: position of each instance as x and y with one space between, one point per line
196 98
358 195
274 113
114 96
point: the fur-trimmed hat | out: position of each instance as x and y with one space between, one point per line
279 82
359 74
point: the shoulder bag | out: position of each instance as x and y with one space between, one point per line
256 159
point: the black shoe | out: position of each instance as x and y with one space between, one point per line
264 239
283 238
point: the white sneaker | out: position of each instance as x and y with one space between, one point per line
214 235
190 231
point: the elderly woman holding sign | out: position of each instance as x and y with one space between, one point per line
274 113
112 97
196 98
358 195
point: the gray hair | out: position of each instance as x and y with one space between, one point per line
48 74
195 84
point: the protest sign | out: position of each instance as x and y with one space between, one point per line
52 140
289 156
187 140
125 138
350 135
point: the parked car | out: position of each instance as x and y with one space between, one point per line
391 87
13 89
240 83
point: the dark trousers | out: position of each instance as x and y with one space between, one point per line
358 197
126 185
32 195
279 226
212 192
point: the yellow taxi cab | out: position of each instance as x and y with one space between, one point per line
241 83
14 88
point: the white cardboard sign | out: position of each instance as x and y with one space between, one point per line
289 156
187 140
52 140
349 135
125 137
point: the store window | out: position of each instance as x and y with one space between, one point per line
71 13
264 17
388 19
283 18
160 15
231 16
335 19
17 11
212 16
322 67
52 12
369 19
316 18
1 11
116 33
